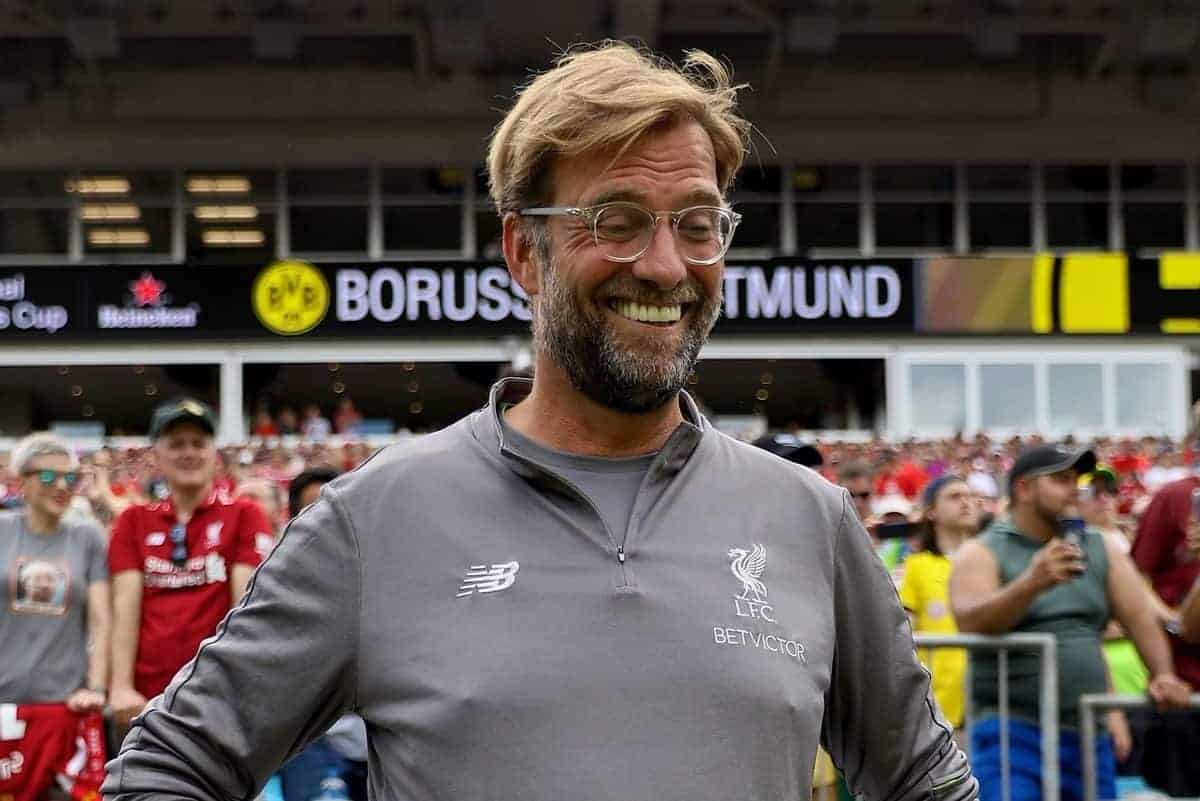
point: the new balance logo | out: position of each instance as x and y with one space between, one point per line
484 578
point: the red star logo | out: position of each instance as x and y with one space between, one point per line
146 290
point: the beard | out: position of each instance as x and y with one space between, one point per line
1047 511
609 366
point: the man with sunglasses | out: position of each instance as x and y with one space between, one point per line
584 590
178 565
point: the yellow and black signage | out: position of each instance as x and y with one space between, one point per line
1077 293
290 297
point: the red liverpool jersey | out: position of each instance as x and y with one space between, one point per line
181 606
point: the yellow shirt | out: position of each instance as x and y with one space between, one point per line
925 591
824 773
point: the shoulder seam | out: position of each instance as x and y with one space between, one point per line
339 507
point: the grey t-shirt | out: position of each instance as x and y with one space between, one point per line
43 621
611 484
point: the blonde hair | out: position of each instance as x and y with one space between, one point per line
601 98
37 445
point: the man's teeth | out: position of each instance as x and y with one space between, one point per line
648 314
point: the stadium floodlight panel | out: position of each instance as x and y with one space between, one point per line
98 185
218 185
110 212
233 237
118 237
226 213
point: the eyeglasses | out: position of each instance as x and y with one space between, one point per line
179 545
623 231
48 478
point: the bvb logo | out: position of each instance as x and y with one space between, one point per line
290 297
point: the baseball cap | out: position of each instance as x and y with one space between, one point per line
1044 460
1102 473
790 448
893 505
930 493
184 409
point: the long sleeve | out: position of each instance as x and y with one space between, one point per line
281 667
881 725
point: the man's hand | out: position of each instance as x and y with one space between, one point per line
85 701
1055 562
1192 536
1118 728
126 703
1168 691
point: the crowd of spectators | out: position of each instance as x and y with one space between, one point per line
116 477
312 424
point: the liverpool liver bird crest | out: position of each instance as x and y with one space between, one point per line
748 568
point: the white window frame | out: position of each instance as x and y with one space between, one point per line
1041 355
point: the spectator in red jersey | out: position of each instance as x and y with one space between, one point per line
177 565
264 425
346 418
885 476
911 478
1167 551
1130 460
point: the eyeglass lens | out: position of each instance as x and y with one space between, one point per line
179 545
49 478
624 231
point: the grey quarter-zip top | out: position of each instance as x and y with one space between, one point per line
503 643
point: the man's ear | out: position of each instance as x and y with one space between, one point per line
519 254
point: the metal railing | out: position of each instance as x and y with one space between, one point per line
1046 647
1089 703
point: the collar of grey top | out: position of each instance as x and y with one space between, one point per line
679 447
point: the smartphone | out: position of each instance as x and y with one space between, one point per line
1071 530
893 531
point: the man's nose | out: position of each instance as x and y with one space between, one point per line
661 264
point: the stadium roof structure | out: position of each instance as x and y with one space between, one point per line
113 66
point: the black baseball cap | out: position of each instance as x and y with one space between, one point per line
1044 460
790 448
183 410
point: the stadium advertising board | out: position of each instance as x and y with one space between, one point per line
290 299
35 304
1093 293
1078 293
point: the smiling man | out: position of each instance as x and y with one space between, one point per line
582 590
178 565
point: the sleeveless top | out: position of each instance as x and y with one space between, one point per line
1075 612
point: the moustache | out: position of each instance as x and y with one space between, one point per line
626 287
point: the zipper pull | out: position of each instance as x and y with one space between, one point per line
621 554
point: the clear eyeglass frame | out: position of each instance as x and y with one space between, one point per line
592 215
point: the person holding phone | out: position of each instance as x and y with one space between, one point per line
1038 573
